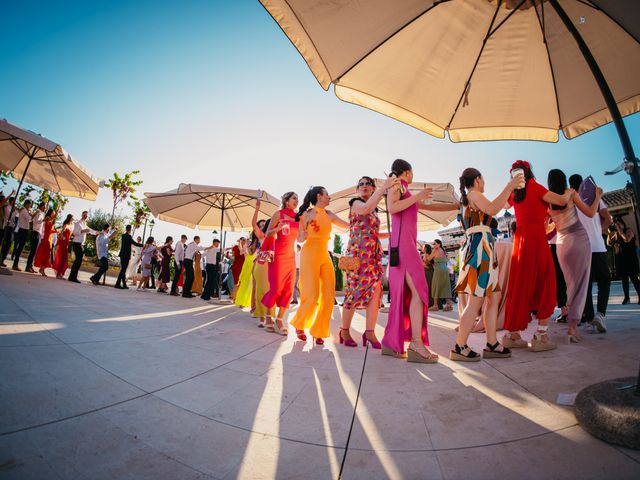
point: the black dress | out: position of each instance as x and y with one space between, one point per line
164 265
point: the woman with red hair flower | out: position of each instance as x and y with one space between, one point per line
532 281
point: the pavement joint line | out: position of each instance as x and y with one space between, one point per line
626 454
355 409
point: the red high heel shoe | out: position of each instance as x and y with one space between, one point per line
319 341
375 345
348 342
301 336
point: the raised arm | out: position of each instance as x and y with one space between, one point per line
560 200
337 220
364 208
482 203
588 210
439 207
274 225
396 204
254 222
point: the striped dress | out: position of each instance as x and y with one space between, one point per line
478 264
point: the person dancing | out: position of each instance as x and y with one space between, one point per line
532 276
623 240
317 276
364 285
282 270
407 284
61 258
42 257
478 264
572 248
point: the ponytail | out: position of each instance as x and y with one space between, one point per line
311 198
467 179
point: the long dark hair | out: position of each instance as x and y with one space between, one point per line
311 198
399 166
467 179
67 220
520 194
253 239
557 182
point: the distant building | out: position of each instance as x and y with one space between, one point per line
620 204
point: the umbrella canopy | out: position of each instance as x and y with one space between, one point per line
427 220
39 161
206 206
479 69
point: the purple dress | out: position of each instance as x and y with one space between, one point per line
404 233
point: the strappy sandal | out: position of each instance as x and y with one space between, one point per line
509 342
491 352
268 325
464 354
392 353
301 335
414 355
280 330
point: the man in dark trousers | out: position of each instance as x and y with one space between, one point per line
80 231
125 256
178 257
24 219
212 267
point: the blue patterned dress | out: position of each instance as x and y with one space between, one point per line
478 264
364 243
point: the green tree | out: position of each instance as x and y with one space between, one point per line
140 213
123 188
337 248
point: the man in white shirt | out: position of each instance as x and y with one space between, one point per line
599 263
102 250
24 218
212 267
178 258
80 231
189 273
7 228
36 235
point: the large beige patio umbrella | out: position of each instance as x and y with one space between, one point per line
37 160
207 206
477 69
427 220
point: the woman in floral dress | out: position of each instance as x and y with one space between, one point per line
364 285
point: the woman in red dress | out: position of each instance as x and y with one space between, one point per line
238 252
60 262
282 270
532 278
42 259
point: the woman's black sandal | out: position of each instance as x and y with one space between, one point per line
491 352
458 354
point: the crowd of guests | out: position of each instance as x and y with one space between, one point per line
558 252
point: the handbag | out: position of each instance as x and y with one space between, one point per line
349 263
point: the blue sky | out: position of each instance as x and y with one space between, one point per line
212 92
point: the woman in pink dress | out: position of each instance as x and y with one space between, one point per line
282 270
60 262
42 258
407 283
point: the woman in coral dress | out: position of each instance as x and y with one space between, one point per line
61 259
317 276
42 258
282 270
532 275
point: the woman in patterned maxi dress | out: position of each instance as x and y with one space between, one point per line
364 285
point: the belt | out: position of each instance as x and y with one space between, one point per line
478 229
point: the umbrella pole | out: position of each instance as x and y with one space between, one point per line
629 155
221 248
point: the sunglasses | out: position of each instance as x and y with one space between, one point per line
365 184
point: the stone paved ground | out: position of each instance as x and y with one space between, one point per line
101 383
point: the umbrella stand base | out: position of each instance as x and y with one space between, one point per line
5 271
611 411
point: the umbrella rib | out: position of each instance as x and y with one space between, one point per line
546 46
405 25
484 43
514 10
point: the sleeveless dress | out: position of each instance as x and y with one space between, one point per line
164 265
264 256
197 274
43 252
574 256
61 260
243 295
478 263
364 243
532 277
317 278
282 270
440 282
404 234
238 263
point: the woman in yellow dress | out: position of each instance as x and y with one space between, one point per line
245 283
197 274
317 276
